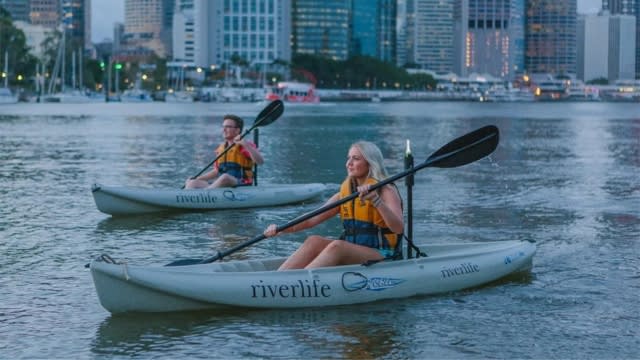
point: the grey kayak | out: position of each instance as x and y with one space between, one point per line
132 201
124 287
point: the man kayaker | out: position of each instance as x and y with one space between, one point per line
235 167
373 222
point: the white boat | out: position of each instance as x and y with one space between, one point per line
293 92
6 97
72 97
578 91
136 96
123 287
131 200
179 97
510 94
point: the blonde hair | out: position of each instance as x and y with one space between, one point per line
373 156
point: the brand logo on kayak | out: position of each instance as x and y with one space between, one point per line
462 269
299 289
352 281
196 198
230 195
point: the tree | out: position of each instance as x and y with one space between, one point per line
598 81
359 72
21 64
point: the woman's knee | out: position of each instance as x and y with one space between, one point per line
316 241
337 247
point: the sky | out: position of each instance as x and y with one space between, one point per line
104 13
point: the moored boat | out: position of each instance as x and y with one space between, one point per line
122 287
131 200
293 92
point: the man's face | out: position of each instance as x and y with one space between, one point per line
229 129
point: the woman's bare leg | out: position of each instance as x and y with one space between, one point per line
195 184
311 247
340 252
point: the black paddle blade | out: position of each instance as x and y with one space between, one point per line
270 113
467 148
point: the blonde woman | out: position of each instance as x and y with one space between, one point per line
373 222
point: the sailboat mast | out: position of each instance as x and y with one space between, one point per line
80 68
64 31
6 68
73 70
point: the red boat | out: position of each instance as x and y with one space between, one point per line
293 92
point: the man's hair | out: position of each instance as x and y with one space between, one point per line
236 119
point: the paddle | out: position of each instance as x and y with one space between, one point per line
461 151
268 115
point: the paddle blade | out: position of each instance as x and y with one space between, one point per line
270 113
466 149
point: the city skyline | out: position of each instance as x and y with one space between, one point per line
104 13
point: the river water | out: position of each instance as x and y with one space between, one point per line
566 175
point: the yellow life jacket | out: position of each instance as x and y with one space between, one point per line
363 224
235 163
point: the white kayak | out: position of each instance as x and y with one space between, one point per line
255 283
130 200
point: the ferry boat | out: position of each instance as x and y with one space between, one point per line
508 94
293 92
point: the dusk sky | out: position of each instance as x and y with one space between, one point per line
104 13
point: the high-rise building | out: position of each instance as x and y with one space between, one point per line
321 28
184 33
627 7
622 65
429 38
19 9
550 36
592 38
401 32
145 25
373 29
45 12
76 20
256 31
489 37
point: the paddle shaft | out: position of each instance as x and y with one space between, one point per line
463 150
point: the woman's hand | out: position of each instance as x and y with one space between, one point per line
365 194
270 231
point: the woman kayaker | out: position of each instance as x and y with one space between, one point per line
373 222
235 168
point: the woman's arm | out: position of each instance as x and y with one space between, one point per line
309 223
389 206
